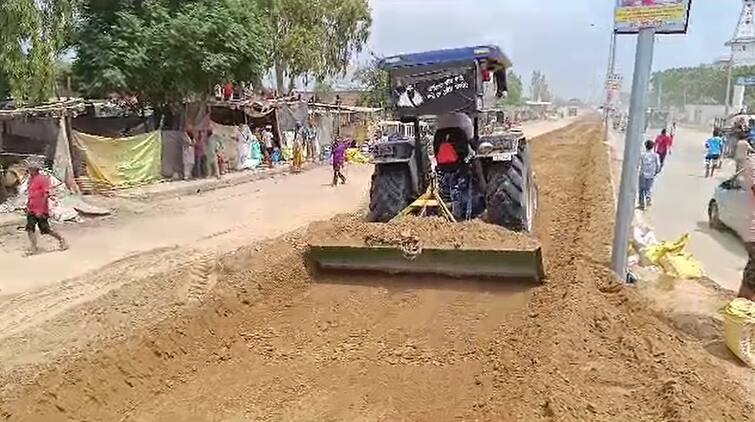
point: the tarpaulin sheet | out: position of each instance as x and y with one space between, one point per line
121 161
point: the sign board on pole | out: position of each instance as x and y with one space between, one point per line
665 16
746 81
614 81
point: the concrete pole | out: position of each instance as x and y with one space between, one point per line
643 63
611 70
727 102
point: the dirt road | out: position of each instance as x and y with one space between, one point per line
219 220
273 341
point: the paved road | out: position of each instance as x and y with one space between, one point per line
680 199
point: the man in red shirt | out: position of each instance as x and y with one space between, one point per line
663 145
38 209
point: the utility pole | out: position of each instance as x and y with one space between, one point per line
643 63
609 74
727 101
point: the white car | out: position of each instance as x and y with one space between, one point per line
729 207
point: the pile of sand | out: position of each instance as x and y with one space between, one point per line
428 231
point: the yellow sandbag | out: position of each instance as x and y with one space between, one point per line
681 266
739 329
355 156
654 253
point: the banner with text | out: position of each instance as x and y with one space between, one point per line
666 16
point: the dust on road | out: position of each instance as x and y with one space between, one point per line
275 341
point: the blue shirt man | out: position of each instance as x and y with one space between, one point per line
714 146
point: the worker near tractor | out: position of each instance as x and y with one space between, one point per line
650 165
747 289
38 209
663 145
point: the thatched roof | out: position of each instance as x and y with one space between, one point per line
68 107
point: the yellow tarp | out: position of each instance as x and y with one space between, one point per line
121 161
673 259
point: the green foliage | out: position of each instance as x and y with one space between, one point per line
515 89
316 37
33 34
164 51
323 87
697 85
4 85
539 89
377 86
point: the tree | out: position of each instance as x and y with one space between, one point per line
376 82
315 37
4 85
323 87
33 35
694 85
539 90
163 51
515 89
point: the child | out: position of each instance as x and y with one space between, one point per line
339 157
650 165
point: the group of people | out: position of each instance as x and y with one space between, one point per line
652 161
204 151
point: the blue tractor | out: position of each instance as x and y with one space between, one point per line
486 176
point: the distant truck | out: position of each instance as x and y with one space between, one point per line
657 118
573 111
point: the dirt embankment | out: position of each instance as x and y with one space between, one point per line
274 342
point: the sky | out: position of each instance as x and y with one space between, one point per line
566 39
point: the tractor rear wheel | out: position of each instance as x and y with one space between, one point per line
390 193
511 197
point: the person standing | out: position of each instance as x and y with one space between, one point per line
747 288
310 137
650 165
298 150
187 154
663 146
200 155
339 158
38 209
741 152
267 139
214 154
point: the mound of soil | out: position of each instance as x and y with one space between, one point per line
428 231
273 342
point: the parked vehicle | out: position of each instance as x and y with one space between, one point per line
730 206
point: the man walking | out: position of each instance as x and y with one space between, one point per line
38 209
663 146
650 165
339 158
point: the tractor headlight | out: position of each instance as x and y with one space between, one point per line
484 148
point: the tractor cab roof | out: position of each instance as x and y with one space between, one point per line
491 54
